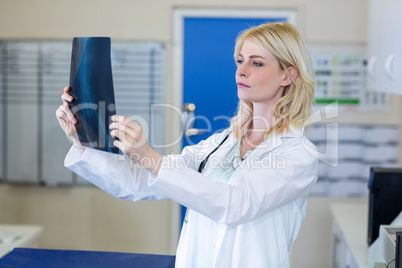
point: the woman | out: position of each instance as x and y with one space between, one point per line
245 188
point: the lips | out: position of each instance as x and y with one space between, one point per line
242 85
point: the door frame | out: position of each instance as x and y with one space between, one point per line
291 15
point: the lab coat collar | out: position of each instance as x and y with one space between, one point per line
277 140
293 132
269 144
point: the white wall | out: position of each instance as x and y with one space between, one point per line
87 218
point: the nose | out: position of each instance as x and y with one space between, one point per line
241 70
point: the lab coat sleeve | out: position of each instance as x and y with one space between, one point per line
258 190
127 180
112 173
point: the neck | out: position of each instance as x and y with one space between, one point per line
263 117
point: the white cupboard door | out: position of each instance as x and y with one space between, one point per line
385 46
392 67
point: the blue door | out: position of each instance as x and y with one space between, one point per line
209 71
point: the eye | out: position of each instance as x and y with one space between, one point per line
257 64
239 61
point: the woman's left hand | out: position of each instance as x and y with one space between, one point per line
133 143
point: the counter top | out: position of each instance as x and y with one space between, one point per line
352 222
29 236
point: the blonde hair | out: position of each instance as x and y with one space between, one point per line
283 41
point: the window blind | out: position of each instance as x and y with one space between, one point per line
32 77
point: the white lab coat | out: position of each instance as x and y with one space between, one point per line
259 210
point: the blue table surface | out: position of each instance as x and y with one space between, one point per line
29 257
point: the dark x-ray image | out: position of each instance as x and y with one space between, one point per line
91 83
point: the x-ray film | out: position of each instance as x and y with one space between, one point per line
91 83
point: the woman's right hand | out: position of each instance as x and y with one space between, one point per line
66 118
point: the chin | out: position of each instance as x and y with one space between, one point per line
246 98
243 95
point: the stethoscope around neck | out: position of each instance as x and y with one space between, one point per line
204 162
235 162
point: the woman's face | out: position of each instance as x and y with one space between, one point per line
259 76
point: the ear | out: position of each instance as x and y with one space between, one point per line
290 77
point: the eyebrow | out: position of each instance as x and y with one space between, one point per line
253 56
